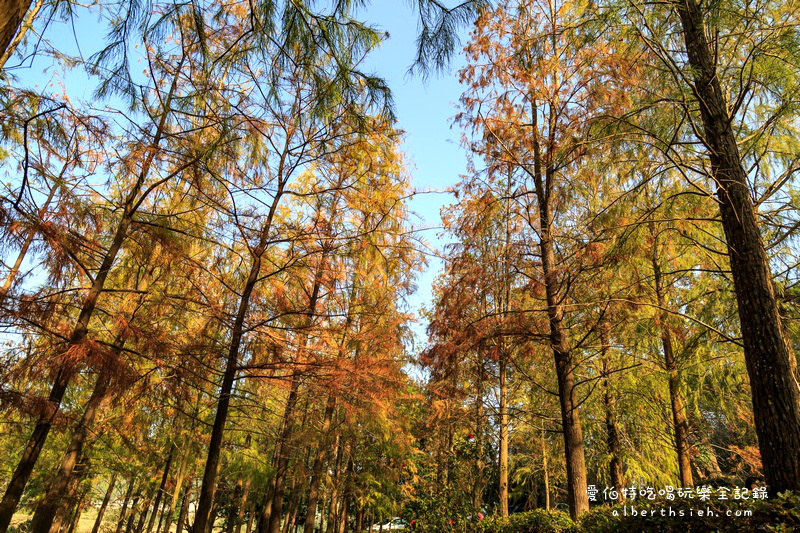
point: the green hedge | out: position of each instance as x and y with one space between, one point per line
779 514
536 521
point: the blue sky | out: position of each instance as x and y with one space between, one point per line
424 110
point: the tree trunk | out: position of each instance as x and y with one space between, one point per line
132 515
571 424
244 503
334 502
161 486
26 25
43 520
776 398
319 461
347 495
223 401
173 500
612 431
145 509
11 14
276 508
250 520
546 474
503 459
544 178
213 515
183 513
679 421
77 510
360 520
103 506
233 515
125 501
478 485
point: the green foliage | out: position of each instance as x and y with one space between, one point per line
536 521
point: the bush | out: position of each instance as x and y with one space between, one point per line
536 521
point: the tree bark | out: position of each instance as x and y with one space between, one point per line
571 424
776 398
44 518
132 516
173 500
161 486
546 475
319 461
11 14
103 506
679 420
183 513
23 28
334 499
77 510
612 430
250 520
233 516
503 456
244 502
276 507
125 501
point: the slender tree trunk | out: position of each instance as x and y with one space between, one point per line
132 515
231 364
680 423
145 509
291 512
161 486
319 461
72 496
774 388
335 486
347 494
360 520
26 244
612 431
546 474
244 503
184 512
103 506
503 459
173 500
276 508
43 520
478 485
250 520
125 501
214 511
77 510
233 516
